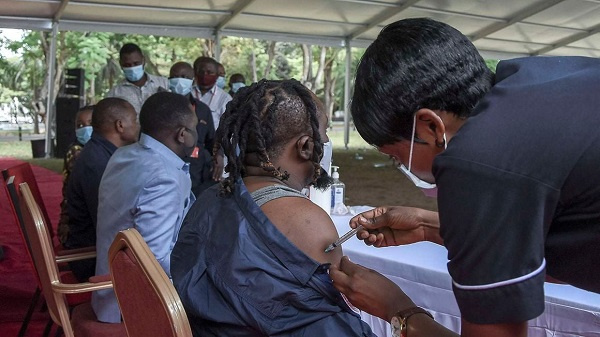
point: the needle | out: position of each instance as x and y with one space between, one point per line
343 239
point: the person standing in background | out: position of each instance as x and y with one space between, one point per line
236 82
206 91
138 84
221 79
181 77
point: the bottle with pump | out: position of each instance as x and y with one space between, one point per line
337 193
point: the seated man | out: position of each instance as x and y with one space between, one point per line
114 124
247 261
146 186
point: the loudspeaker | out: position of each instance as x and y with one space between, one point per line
66 109
74 82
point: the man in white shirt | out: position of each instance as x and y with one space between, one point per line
138 84
207 92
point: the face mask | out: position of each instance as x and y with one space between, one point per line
134 74
181 86
430 190
84 134
327 156
207 80
237 86
221 82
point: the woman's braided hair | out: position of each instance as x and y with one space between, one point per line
260 119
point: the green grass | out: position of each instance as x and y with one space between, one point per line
22 150
336 135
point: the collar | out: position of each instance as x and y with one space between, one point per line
199 95
148 142
98 138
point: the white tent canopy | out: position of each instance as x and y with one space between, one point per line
499 29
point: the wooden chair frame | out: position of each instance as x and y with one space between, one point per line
132 242
46 265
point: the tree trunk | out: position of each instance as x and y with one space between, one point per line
330 81
271 54
92 97
316 82
307 65
209 48
253 64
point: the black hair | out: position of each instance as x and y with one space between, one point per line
108 111
129 48
205 59
414 64
164 111
237 77
260 119
87 107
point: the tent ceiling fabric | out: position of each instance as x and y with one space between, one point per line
500 28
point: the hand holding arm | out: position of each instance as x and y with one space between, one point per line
397 225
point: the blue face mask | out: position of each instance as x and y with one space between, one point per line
84 134
181 86
135 73
221 82
237 86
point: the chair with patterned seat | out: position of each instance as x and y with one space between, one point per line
80 320
149 304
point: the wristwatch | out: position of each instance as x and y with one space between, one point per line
399 321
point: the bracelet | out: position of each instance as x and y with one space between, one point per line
399 321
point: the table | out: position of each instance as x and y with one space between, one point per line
420 270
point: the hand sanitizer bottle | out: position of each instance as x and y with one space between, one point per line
337 193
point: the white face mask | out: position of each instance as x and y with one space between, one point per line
429 189
327 156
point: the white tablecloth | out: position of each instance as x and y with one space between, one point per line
420 270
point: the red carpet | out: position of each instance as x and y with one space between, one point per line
17 279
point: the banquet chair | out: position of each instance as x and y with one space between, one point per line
24 174
62 257
81 320
149 304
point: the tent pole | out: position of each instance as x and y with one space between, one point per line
347 94
50 99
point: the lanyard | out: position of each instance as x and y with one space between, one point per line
198 95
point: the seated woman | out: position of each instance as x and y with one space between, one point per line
247 261
83 133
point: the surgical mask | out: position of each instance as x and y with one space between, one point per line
135 73
181 86
327 157
237 86
84 134
429 189
221 82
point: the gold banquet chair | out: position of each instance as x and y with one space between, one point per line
81 322
149 304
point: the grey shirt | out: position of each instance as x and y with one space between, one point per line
138 95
